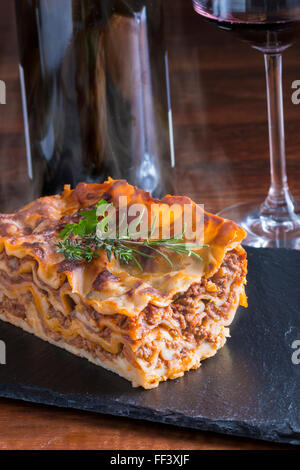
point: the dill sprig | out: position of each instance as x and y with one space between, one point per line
83 240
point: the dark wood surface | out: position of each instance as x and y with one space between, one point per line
219 110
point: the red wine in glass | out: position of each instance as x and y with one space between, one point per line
270 26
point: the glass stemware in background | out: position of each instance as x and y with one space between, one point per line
269 26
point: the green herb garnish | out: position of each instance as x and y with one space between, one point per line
83 240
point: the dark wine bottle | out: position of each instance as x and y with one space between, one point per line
95 94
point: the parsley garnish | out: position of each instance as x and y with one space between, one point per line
83 240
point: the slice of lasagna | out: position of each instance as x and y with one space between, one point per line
147 325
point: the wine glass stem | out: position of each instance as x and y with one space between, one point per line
278 205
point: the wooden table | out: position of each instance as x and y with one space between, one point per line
219 107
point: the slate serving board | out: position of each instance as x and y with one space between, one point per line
250 388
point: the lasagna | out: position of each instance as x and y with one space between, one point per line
147 326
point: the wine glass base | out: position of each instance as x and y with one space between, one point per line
261 234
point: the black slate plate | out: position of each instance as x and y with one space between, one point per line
250 388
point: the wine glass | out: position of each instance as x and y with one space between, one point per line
269 26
